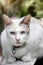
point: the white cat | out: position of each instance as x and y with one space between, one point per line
22 38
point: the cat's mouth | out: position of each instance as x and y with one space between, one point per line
19 46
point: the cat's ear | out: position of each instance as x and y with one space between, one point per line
26 19
7 20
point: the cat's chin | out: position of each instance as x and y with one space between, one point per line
17 44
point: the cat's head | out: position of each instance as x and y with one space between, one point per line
17 29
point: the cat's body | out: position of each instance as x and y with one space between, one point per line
31 41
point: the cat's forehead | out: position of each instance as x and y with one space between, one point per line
16 21
15 26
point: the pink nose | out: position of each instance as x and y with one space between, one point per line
17 40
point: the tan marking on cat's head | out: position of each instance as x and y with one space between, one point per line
26 20
7 20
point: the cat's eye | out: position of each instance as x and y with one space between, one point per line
13 33
22 32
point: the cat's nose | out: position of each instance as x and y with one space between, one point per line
17 40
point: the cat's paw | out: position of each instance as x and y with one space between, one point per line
11 60
26 59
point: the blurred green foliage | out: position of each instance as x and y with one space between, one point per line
1 22
24 7
33 7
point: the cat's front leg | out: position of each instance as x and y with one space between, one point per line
27 58
11 59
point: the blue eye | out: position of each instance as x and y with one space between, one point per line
13 33
22 32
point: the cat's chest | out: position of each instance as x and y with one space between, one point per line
19 52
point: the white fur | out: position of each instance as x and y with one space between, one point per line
34 40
